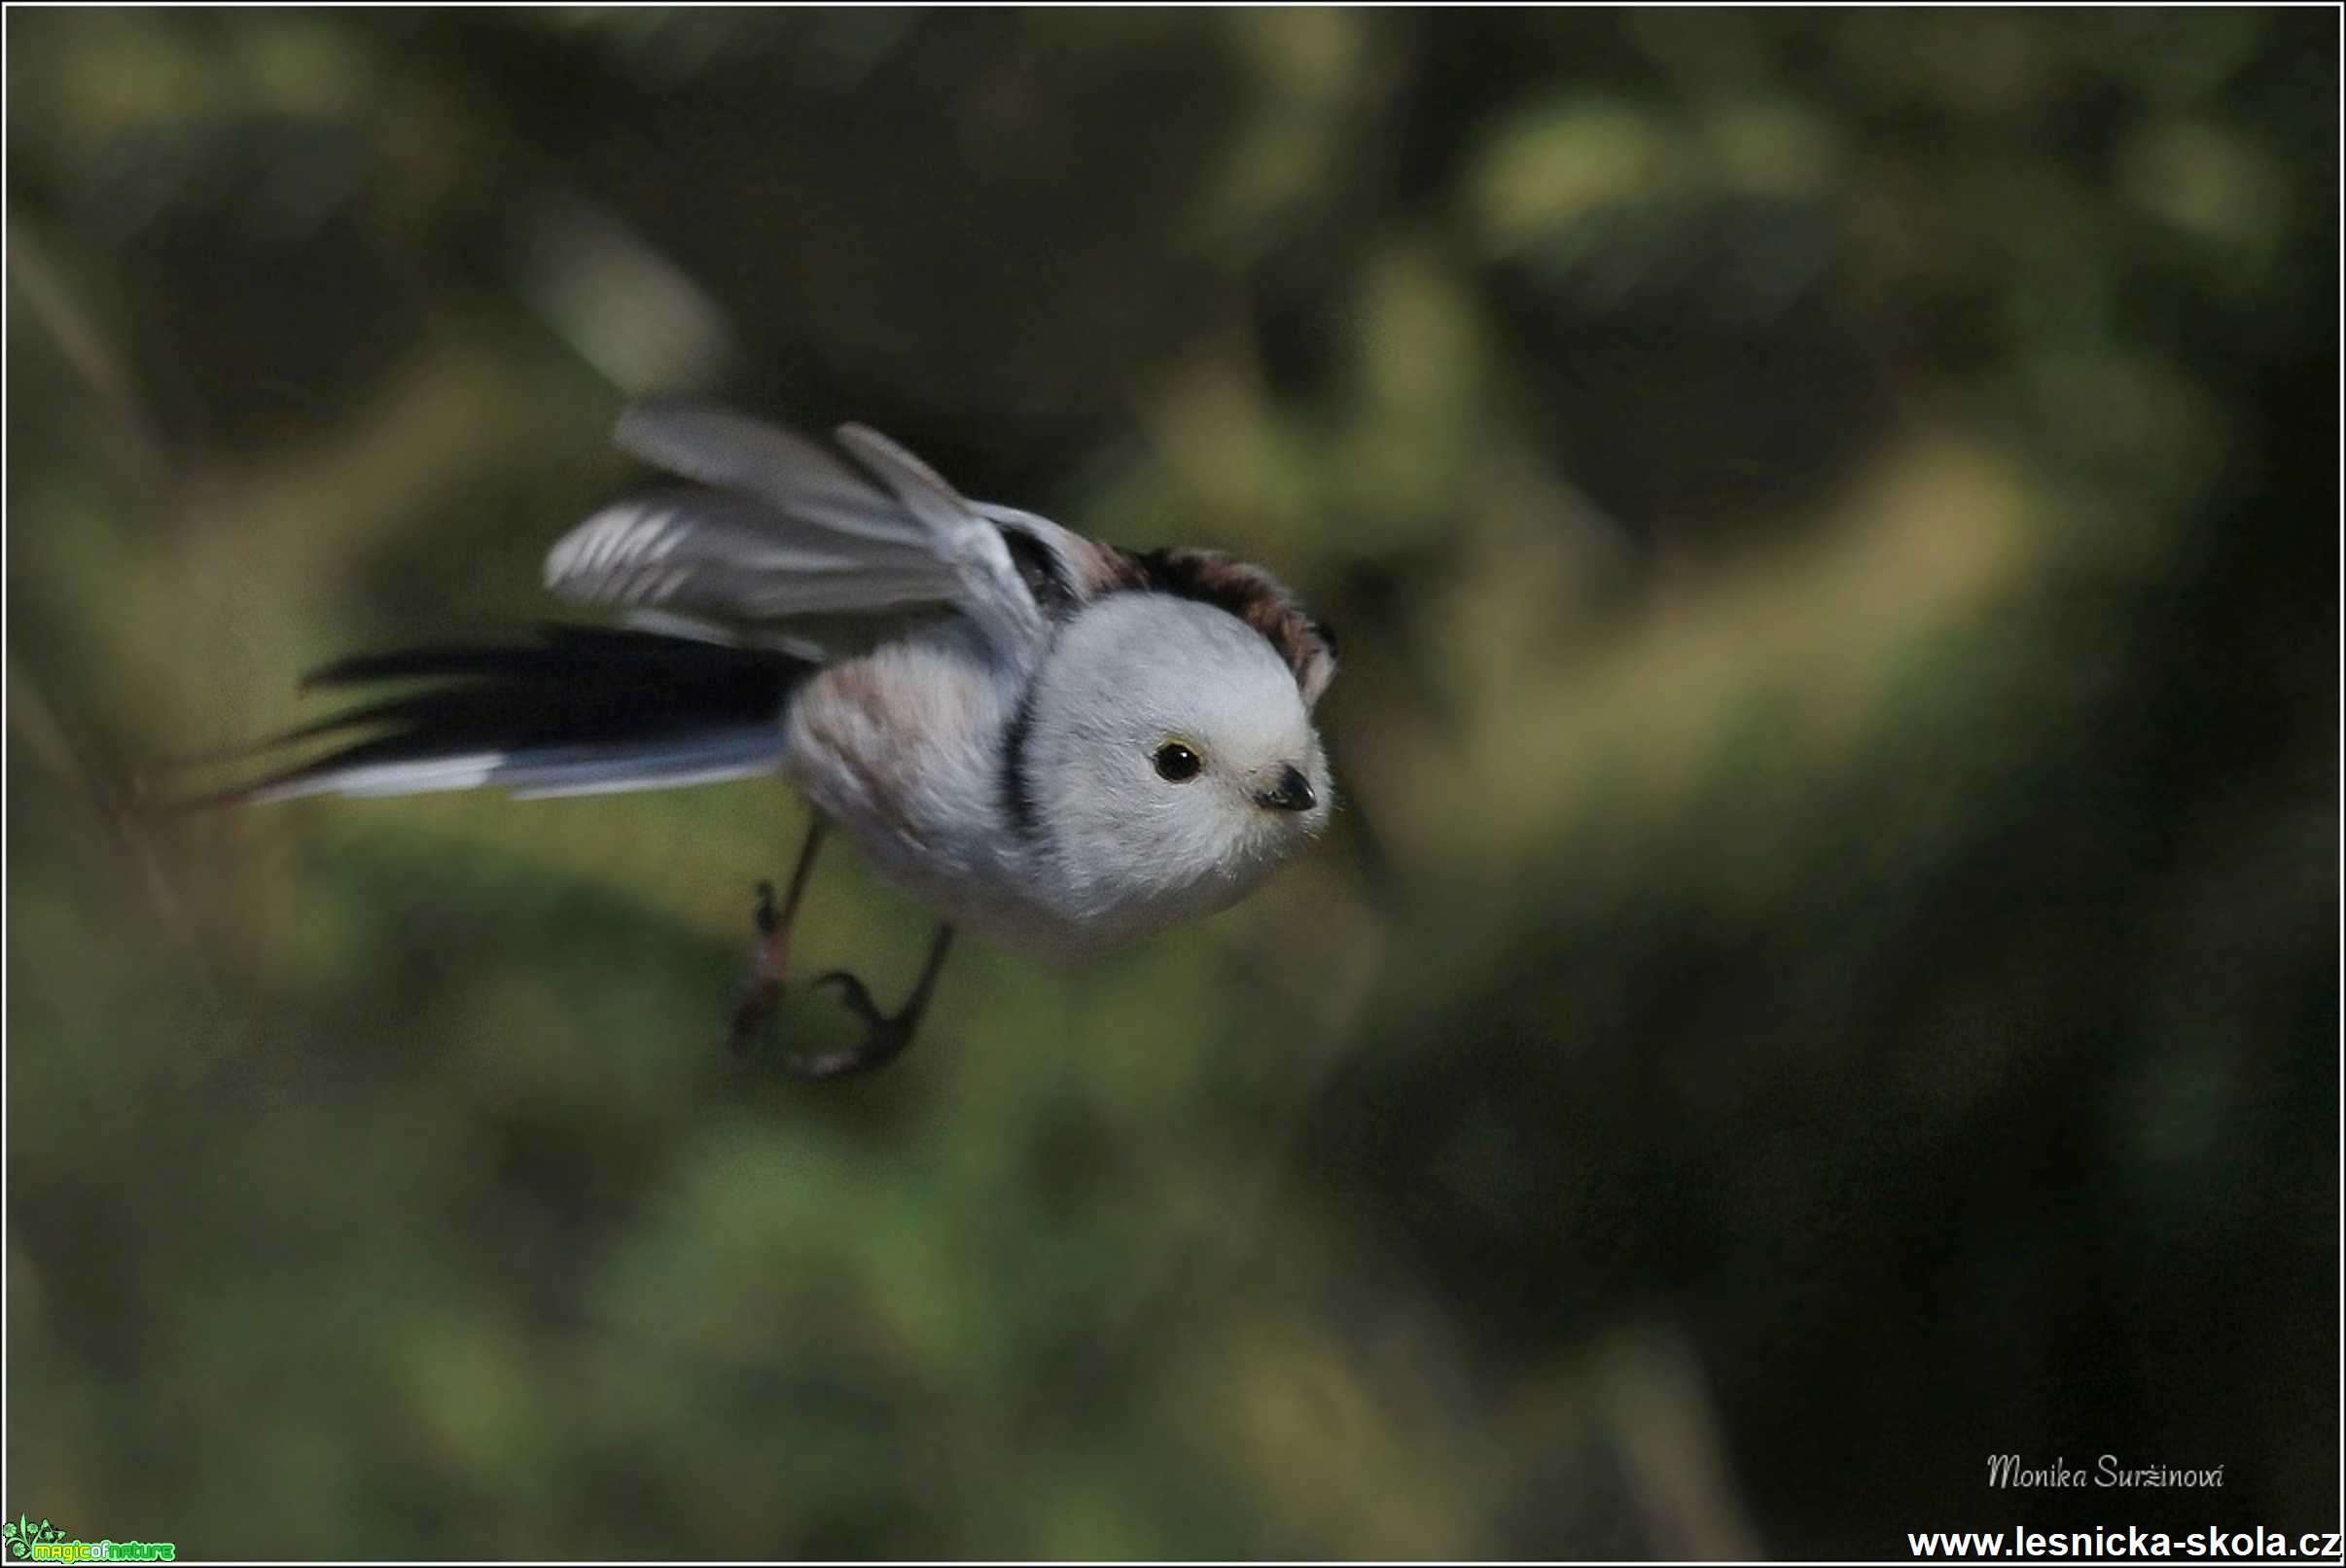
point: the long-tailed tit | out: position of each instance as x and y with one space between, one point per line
1061 745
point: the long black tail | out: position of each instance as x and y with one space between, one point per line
582 710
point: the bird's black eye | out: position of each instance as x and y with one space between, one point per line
1176 762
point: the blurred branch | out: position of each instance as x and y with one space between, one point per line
127 427
621 304
1653 1391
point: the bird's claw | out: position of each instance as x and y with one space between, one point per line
883 1039
854 992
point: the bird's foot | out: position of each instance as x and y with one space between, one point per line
884 1039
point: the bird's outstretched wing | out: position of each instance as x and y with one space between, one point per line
782 529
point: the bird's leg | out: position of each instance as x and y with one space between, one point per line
888 1035
773 953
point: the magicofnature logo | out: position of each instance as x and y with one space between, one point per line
26 1540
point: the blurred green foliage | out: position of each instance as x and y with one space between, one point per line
1827 970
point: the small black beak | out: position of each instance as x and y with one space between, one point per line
1294 793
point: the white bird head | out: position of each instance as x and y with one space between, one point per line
1169 761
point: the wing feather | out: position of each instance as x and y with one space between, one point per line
786 529
713 554
730 450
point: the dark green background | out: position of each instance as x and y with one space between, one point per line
1827 967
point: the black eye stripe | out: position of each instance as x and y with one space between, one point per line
1176 763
